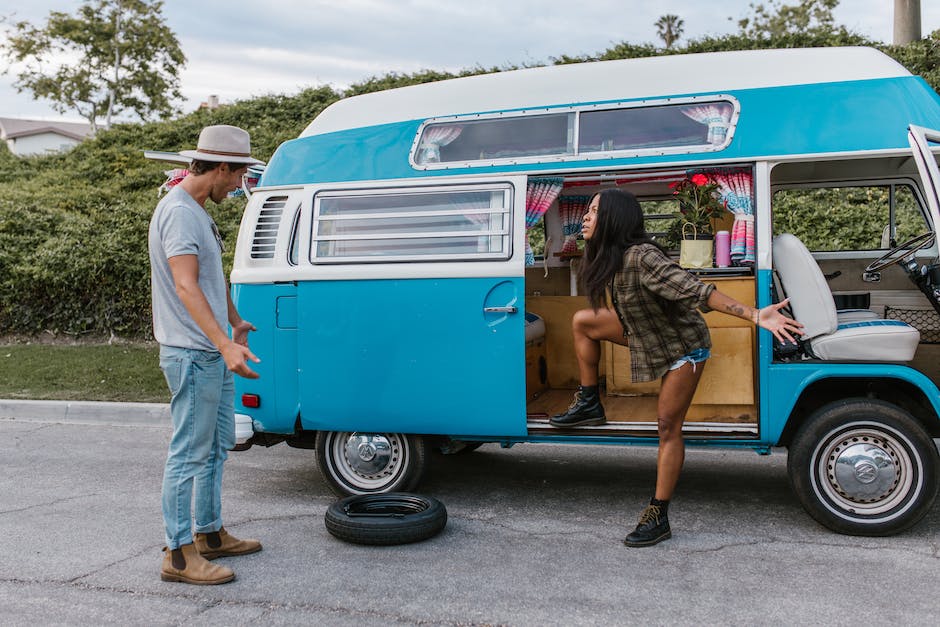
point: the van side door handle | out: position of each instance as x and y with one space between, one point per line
507 309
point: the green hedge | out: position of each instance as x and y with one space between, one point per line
73 227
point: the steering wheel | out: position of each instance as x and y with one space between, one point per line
893 256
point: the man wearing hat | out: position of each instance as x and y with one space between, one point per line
192 310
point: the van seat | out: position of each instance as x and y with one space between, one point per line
812 304
534 328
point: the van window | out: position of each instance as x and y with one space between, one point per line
500 138
427 224
634 128
644 127
849 217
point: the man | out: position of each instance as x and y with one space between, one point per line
192 310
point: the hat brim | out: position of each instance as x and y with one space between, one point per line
196 155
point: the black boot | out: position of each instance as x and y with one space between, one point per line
586 409
653 527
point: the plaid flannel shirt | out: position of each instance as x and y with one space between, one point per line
655 342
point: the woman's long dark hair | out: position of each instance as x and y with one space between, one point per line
617 227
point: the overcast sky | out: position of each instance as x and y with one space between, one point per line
238 50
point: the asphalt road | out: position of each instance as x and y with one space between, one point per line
533 538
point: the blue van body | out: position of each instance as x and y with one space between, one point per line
371 355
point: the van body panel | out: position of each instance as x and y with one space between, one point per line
276 345
773 122
786 383
414 355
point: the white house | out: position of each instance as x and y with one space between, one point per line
31 137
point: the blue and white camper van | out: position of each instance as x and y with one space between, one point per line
385 260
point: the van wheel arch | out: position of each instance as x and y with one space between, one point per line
890 390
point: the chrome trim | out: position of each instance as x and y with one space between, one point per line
646 428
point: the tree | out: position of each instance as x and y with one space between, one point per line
669 28
808 17
111 57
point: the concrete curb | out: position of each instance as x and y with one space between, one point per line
87 412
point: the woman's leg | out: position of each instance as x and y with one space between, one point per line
675 396
589 328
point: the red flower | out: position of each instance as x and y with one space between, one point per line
699 179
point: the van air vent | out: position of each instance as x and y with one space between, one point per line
269 219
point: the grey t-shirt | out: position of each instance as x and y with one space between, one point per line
181 227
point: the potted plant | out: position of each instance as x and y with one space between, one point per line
700 204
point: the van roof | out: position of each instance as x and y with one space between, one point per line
607 80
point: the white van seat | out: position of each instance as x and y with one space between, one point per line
534 328
845 316
812 304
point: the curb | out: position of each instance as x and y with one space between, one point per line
86 412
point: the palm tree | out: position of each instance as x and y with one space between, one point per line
669 29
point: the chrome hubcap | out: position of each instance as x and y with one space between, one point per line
865 470
367 454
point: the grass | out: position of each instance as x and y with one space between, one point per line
87 372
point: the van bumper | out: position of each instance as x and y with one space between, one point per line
243 432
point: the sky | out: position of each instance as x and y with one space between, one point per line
239 50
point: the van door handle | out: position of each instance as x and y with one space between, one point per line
506 309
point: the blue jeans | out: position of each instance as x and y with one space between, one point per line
203 412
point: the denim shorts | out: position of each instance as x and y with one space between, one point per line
695 357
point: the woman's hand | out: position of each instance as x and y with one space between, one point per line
781 326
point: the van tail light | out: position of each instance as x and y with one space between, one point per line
252 401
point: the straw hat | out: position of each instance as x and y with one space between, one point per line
222 143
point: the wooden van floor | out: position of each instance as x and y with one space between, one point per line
638 413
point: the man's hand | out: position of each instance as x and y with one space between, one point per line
236 358
240 332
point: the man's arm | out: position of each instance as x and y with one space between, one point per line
185 270
240 328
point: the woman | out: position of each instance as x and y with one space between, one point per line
654 313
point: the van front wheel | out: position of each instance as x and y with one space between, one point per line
864 467
369 463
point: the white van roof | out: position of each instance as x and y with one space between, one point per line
601 81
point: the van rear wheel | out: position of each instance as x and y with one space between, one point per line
864 467
370 463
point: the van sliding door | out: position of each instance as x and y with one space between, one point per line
412 320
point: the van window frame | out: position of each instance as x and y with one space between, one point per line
574 133
893 181
506 233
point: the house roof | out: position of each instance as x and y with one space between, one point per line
12 128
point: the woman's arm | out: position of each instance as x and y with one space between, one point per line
768 317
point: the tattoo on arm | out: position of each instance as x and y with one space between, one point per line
736 310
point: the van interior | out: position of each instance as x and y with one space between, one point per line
725 404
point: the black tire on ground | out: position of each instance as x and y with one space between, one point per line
385 519
864 467
371 463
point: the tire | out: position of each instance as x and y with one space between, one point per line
370 463
385 519
864 467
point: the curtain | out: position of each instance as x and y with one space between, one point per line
736 187
539 196
572 210
717 116
433 138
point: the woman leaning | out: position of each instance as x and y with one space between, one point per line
654 313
